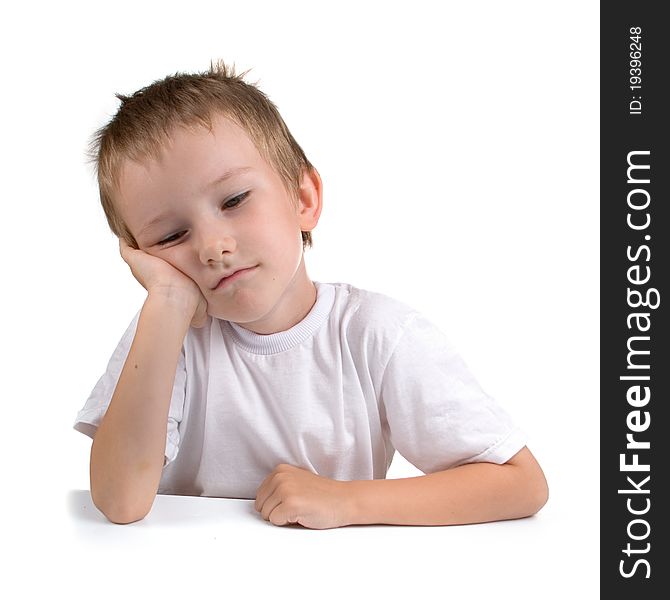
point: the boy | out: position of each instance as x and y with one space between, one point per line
240 377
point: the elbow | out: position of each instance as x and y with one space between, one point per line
530 482
538 496
120 511
536 492
125 517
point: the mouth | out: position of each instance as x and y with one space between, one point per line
225 281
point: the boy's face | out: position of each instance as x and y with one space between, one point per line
210 206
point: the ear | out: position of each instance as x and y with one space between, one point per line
310 199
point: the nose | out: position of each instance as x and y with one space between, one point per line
215 244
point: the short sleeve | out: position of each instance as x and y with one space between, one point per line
437 414
89 417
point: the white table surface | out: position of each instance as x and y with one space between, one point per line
222 547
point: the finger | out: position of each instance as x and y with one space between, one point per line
200 318
199 323
265 490
262 493
270 506
125 250
281 515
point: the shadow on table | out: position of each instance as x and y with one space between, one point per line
168 510
80 507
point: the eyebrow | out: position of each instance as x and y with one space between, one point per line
211 185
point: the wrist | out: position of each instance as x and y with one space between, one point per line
352 502
173 299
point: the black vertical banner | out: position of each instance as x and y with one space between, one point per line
635 337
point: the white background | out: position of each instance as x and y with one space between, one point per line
458 145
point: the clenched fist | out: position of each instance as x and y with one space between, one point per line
294 495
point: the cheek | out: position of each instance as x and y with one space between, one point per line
280 231
174 257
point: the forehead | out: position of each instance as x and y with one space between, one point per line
191 159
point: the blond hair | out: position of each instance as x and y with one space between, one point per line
143 123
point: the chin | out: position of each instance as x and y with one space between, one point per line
245 309
239 317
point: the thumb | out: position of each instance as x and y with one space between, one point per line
200 317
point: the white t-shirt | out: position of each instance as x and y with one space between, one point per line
359 377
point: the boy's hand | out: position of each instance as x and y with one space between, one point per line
158 277
294 495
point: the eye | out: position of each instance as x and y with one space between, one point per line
234 202
173 238
229 204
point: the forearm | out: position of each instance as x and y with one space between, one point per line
129 445
472 493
